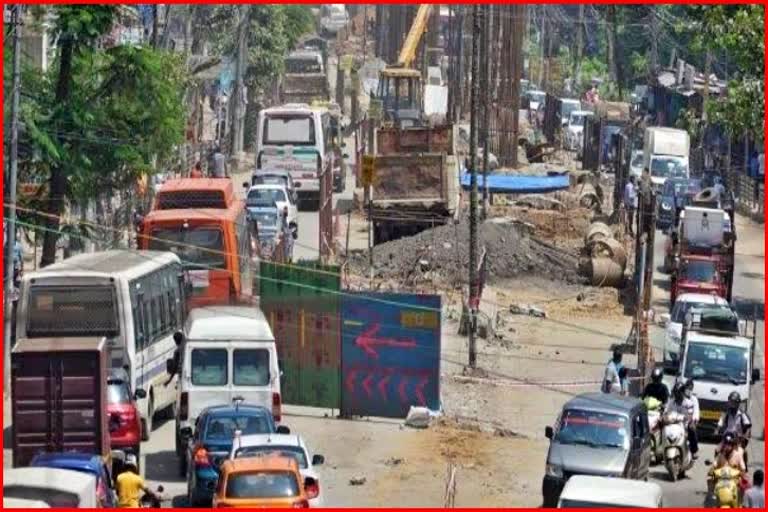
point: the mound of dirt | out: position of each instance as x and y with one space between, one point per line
442 255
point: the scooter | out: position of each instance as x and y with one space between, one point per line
726 485
677 456
655 411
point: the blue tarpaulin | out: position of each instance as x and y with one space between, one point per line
517 184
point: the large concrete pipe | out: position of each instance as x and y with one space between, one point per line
597 231
606 272
609 248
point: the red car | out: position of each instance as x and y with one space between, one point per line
124 418
698 274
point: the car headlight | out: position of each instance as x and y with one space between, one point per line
666 206
554 470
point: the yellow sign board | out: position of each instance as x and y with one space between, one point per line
368 170
419 319
710 415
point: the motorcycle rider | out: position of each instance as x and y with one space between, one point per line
129 483
729 454
656 388
737 422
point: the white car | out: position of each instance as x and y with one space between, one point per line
537 98
288 445
674 322
575 129
277 193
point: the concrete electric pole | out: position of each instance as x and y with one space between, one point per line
474 299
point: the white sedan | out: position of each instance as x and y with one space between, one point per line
277 193
287 445
674 321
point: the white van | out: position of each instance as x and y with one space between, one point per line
583 491
226 351
57 488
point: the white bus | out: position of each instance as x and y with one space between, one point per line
297 138
134 298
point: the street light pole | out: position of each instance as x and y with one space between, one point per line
10 234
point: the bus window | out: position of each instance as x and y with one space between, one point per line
299 131
197 247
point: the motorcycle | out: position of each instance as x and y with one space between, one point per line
655 411
153 500
726 485
677 456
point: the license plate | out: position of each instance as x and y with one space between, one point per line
709 415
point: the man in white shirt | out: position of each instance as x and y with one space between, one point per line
630 203
694 414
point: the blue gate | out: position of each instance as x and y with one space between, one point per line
390 353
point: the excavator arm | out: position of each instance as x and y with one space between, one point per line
412 40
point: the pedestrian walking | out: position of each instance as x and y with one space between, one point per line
630 204
754 497
614 379
219 164
287 237
197 171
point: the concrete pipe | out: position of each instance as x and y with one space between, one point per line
609 248
607 273
597 231
588 197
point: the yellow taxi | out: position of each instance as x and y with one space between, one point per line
262 482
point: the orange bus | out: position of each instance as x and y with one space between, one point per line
205 224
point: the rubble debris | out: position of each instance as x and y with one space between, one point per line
540 202
419 417
394 461
357 481
526 309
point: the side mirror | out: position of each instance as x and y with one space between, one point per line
170 368
318 460
755 375
664 319
140 394
185 432
178 337
282 429
549 432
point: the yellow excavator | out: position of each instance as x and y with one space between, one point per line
400 85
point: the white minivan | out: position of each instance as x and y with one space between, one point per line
225 352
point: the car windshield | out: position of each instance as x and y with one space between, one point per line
222 428
577 120
594 429
699 271
198 248
681 309
276 195
270 179
537 96
716 363
262 484
662 167
637 160
118 393
567 108
294 452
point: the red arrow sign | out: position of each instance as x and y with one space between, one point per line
401 390
383 387
350 382
367 385
420 389
367 341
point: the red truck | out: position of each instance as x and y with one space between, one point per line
703 253
59 397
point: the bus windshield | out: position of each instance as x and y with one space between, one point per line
289 130
72 311
199 248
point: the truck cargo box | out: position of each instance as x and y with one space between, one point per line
437 139
704 227
59 397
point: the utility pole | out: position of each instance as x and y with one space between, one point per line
485 85
10 193
238 116
654 60
474 299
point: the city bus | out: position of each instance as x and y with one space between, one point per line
205 224
135 299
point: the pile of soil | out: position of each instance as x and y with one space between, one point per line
442 255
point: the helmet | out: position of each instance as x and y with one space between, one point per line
734 398
130 461
657 374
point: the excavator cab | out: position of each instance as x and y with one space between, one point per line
400 93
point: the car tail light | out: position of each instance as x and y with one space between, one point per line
201 457
301 504
184 406
313 490
276 407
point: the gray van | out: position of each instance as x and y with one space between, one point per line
597 434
